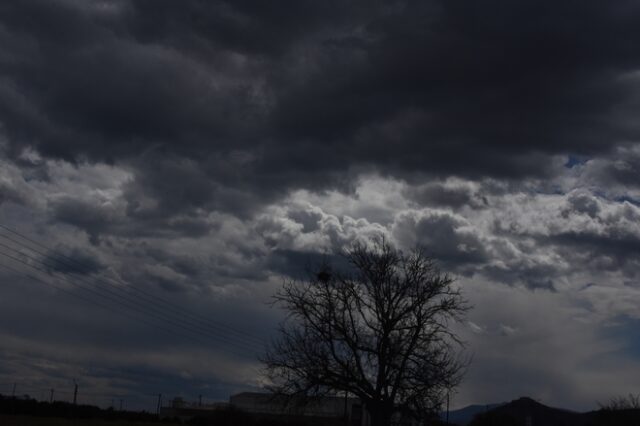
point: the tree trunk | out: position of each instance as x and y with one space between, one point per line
380 415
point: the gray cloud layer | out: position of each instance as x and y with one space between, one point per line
202 150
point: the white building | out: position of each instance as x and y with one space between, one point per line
336 409
326 407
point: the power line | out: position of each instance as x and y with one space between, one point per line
133 305
193 333
71 262
74 264
172 332
200 323
150 307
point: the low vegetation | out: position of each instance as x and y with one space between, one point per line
28 411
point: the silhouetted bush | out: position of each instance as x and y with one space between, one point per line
618 417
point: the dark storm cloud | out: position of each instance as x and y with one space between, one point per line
87 90
246 26
465 87
181 262
164 142
98 221
309 219
622 168
534 277
447 238
619 246
73 260
299 265
225 106
9 194
305 91
582 203
438 194
92 219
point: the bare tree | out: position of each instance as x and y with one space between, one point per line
380 332
629 402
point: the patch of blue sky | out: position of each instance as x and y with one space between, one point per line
575 160
626 330
623 198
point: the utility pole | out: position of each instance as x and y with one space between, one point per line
159 404
13 392
199 400
51 397
120 404
75 392
346 415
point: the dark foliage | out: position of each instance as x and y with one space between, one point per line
619 403
618 417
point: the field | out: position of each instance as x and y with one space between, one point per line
10 420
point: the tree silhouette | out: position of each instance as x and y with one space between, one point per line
629 402
380 331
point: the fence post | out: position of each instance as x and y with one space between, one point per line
159 404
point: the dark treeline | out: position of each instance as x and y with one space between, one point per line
32 407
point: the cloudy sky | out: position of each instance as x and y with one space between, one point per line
188 156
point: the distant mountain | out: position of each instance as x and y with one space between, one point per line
463 416
528 412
